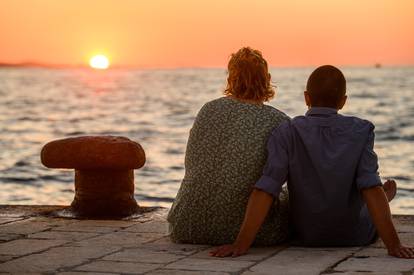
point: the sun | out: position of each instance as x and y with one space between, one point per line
99 61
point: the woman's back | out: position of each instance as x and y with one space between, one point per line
225 156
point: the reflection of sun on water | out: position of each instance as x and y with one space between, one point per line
100 62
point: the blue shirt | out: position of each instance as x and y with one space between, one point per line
326 159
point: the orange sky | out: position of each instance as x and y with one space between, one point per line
188 33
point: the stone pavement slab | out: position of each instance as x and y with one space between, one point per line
26 246
376 264
5 258
212 264
4 220
297 261
82 273
106 223
35 242
118 267
149 227
80 227
143 256
185 272
122 239
62 235
165 244
8 237
26 226
55 259
371 273
375 260
255 254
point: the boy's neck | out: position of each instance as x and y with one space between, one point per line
323 107
321 111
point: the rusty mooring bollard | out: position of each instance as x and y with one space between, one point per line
104 178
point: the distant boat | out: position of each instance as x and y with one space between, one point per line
378 65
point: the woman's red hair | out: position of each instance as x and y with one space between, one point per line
248 76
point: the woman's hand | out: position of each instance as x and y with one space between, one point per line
228 250
402 252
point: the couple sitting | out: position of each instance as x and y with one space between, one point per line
240 153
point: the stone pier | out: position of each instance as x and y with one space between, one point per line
35 240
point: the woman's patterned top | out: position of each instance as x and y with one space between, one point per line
225 156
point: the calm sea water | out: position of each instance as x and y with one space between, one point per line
157 108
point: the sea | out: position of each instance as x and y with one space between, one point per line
157 108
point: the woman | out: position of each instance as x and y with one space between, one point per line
225 155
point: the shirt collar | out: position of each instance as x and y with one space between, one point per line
324 111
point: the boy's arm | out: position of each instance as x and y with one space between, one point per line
369 182
379 210
257 209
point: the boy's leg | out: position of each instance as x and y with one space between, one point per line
370 232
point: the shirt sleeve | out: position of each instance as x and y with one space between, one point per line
367 172
276 169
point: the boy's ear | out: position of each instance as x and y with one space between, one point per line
307 98
342 103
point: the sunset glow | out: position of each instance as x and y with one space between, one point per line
99 61
188 33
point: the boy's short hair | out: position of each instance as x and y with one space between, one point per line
326 86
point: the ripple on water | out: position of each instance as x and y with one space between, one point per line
20 179
21 163
154 198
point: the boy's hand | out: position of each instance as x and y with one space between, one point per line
227 250
402 252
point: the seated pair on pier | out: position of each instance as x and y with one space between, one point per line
336 197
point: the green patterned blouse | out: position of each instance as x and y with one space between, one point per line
225 156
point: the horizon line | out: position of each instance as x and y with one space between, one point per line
34 64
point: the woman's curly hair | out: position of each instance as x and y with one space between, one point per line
248 76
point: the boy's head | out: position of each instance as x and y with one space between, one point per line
326 87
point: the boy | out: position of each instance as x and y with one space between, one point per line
336 195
